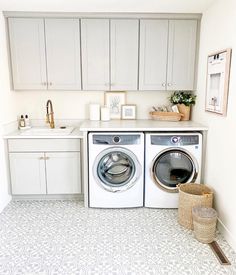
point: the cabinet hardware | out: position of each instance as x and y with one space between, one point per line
50 83
43 158
44 83
163 84
169 84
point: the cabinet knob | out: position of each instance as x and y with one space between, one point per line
50 83
169 84
44 83
163 84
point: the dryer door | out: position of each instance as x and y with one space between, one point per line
174 166
116 169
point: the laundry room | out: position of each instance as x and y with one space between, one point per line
117 137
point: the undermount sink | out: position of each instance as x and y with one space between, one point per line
43 131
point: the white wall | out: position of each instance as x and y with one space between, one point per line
218 32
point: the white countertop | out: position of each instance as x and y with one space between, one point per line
140 125
17 135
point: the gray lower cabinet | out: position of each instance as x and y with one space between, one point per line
167 54
43 167
45 53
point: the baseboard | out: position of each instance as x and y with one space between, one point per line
3 205
79 197
227 234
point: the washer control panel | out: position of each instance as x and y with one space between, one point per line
117 139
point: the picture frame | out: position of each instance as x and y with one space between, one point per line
217 84
114 101
128 111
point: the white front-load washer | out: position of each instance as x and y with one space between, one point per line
116 165
171 159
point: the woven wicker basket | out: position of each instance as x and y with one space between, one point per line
167 116
190 195
204 223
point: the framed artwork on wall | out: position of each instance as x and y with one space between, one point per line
114 101
218 73
128 111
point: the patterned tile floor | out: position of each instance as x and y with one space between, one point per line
64 238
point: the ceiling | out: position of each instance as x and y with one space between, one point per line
158 6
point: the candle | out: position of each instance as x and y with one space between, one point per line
105 113
94 112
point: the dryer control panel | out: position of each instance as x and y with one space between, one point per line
172 140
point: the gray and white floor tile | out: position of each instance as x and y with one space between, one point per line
64 238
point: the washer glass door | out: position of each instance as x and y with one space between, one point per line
172 167
116 169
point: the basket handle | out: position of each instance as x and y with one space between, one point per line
207 194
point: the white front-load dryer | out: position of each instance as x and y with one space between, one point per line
171 159
116 165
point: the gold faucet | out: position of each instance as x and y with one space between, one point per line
50 115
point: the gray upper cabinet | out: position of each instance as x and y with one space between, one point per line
95 54
37 64
167 54
27 46
181 54
124 54
153 54
109 54
63 54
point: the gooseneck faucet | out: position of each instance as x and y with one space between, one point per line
50 114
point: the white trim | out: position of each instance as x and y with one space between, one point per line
227 234
103 15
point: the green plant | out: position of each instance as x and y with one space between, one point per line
180 97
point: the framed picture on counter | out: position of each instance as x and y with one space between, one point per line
128 111
114 101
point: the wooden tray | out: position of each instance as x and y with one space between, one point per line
167 116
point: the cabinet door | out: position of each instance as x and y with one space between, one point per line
95 54
63 54
27 46
181 54
27 173
63 173
124 54
153 54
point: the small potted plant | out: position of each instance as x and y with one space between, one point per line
184 101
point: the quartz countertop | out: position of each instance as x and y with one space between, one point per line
18 135
140 125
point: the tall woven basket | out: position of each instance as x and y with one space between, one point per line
190 195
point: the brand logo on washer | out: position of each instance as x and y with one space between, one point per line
116 139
